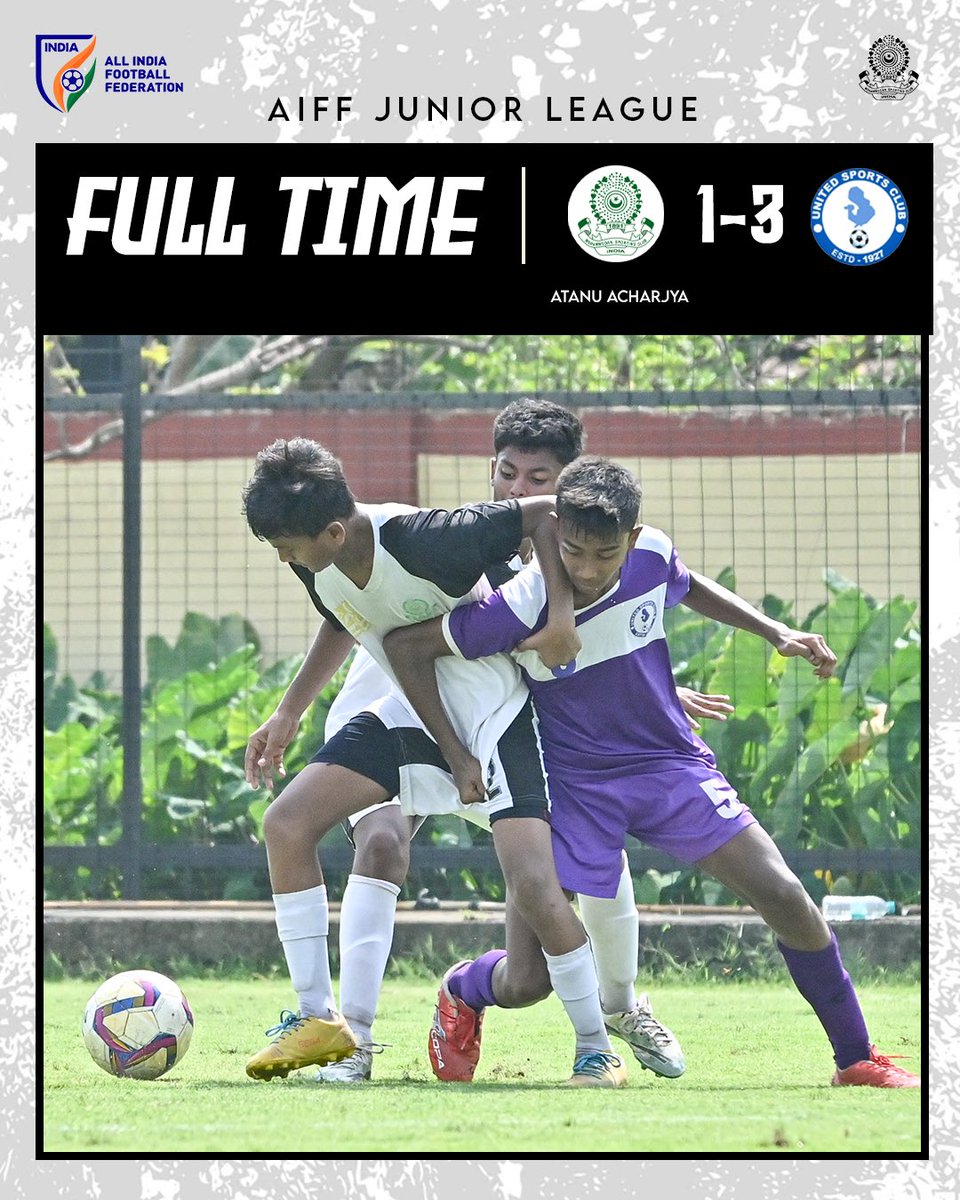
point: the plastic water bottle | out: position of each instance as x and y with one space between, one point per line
856 908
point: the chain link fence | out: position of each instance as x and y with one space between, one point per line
788 467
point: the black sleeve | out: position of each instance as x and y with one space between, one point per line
306 578
454 548
501 573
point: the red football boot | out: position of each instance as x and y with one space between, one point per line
876 1071
454 1041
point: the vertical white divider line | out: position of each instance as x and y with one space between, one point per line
523 216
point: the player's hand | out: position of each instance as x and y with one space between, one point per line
795 643
704 705
468 777
265 749
557 646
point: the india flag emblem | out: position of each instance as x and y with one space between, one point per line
65 67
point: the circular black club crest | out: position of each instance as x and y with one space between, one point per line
615 200
889 57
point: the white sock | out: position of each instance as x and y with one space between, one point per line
366 935
303 921
613 928
574 979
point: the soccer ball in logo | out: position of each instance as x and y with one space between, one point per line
137 1025
72 81
859 239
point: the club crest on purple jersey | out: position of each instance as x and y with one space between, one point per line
643 618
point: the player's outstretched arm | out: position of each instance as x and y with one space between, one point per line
558 642
266 745
703 705
413 651
711 599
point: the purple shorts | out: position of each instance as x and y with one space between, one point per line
683 807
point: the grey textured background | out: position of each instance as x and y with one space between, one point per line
760 76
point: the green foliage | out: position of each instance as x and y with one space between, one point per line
204 697
57 695
200 643
822 763
599 362
678 365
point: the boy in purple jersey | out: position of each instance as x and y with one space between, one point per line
619 752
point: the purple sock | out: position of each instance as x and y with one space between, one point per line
825 985
473 982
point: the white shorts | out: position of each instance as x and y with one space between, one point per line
388 744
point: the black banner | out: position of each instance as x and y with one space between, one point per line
540 239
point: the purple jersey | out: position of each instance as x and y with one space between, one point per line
618 707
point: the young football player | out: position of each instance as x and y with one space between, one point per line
367 569
620 754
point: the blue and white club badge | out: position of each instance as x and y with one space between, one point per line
615 214
858 217
643 619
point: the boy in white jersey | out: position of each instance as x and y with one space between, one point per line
620 755
533 440
367 569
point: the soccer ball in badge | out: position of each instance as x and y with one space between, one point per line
137 1025
859 239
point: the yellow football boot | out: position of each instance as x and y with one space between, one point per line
597 1069
302 1042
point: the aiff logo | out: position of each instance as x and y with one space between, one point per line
62 81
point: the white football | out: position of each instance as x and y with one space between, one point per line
137 1025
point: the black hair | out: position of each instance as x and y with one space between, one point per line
598 497
539 425
296 490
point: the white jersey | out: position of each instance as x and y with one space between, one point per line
425 563
364 685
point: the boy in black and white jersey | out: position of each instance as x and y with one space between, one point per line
369 569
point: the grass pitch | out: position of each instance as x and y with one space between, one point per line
757 1082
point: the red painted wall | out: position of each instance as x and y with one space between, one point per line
379 447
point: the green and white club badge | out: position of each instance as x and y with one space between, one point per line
615 213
